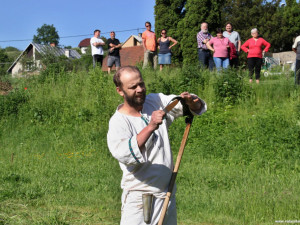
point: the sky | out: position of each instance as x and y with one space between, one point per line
20 19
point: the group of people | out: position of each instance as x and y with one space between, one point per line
114 46
226 48
150 45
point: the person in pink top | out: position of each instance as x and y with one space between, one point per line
220 47
254 48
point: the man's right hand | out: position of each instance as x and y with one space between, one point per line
156 119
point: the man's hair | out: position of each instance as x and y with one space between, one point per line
118 74
96 31
204 23
112 32
148 23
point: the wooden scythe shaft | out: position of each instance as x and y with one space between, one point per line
189 121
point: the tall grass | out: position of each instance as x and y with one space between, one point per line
241 163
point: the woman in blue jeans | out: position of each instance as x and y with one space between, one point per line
164 55
220 47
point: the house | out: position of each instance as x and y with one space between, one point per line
133 40
84 44
131 53
30 59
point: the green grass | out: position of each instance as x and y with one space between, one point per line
240 166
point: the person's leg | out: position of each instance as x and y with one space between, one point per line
225 63
100 60
154 58
110 63
251 64
94 60
258 63
201 57
117 62
218 63
146 59
297 72
210 63
160 67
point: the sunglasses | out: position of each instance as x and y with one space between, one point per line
148 26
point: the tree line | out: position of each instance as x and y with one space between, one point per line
278 23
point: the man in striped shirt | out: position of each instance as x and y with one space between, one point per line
204 55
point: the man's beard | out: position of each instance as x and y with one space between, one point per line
135 101
205 31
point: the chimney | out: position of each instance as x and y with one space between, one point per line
52 44
67 53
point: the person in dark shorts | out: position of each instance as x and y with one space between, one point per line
113 52
164 56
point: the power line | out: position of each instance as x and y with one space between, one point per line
80 35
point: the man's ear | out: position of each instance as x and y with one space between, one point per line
120 92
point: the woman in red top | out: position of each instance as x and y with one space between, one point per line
253 47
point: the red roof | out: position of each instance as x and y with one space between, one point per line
130 56
84 43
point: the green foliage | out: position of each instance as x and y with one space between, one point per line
240 166
46 34
3 60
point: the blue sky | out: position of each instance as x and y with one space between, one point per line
20 19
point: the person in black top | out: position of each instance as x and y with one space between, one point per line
113 52
164 56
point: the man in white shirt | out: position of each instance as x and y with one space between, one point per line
296 49
97 50
138 139
234 38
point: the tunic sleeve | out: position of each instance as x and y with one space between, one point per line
122 143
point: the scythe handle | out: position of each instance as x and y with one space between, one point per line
188 121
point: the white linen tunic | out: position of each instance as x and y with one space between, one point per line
144 170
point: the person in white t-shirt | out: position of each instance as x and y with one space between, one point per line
138 139
97 50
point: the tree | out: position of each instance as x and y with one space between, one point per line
167 15
4 61
46 34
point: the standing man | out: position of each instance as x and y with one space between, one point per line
138 139
97 50
204 55
149 44
296 49
234 38
113 52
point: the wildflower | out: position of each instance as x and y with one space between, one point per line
25 88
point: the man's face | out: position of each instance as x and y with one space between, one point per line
97 34
148 26
228 28
204 27
112 35
133 89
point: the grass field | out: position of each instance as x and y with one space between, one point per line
240 166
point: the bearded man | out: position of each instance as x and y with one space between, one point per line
138 139
204 54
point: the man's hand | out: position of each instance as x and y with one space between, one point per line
192 101
156 119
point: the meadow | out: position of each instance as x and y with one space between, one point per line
241 164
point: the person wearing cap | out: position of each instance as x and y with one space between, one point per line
114 46
138 138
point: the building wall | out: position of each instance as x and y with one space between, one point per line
17 70
131 42
285 57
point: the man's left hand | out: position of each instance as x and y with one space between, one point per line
192 101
